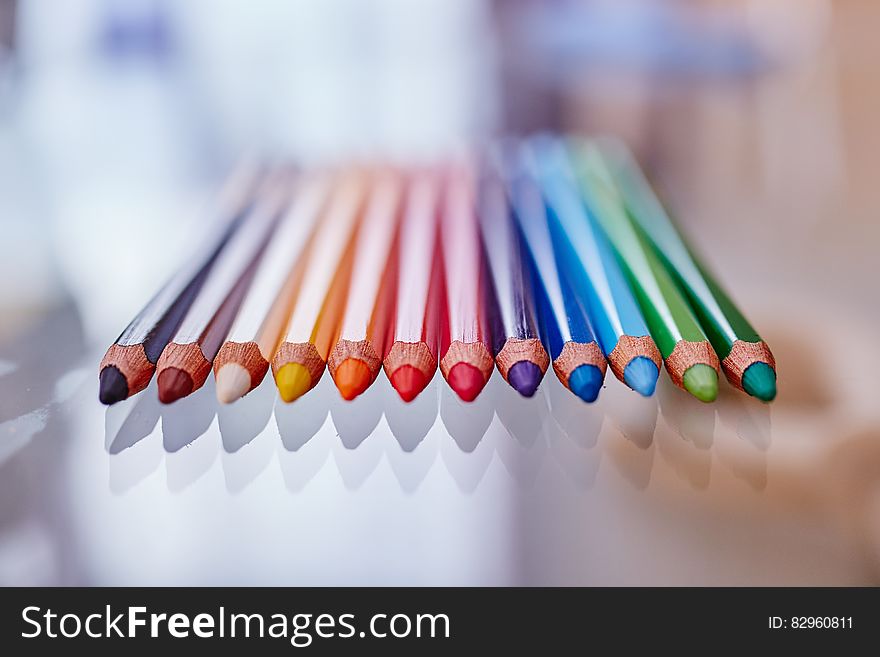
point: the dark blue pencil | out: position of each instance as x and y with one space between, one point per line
593 272
562 319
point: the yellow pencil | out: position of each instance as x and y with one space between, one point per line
314 322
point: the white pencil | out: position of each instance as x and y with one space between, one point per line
244 358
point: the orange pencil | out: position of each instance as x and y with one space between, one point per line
301 357
366 324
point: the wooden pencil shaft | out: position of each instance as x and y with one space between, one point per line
418 233
512 285
721 319
373 251
586 257
666 312
263 316
462 259
157 322
326 252
235 259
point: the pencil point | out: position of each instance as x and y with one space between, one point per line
174 384
701 381
466 380
524 377
586 382
352 378
233 383
293 381
759 380
641 375
408 381
113 386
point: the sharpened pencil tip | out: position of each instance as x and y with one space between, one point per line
233 383
352 378
408 381
466 380
759 380
701 381
524 377
293 381
641 375
586 382
113 386
174 384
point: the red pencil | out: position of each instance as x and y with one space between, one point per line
466 354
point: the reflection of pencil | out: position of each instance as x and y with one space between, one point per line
690 360
519 355
577 359
412 359
244 358
364 333
186 362
594 273
314 322
745 357
130 362
466 357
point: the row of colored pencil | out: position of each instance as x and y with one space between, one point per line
539 252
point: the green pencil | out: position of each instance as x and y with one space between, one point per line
745 358
690 360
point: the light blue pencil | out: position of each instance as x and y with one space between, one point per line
587 260
565 328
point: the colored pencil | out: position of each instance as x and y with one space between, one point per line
314 321
592 269
746 359
129 364
690 360
186 362
465 350
365 330
577 358
519 355
244 358
412 359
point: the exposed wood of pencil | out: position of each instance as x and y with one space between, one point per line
590 265
516 337
136 351
418 290
257 331
574 355
673 325
468 339
736 342
317 310
517 350
367 320
206 325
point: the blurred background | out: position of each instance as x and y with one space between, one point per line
757 120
